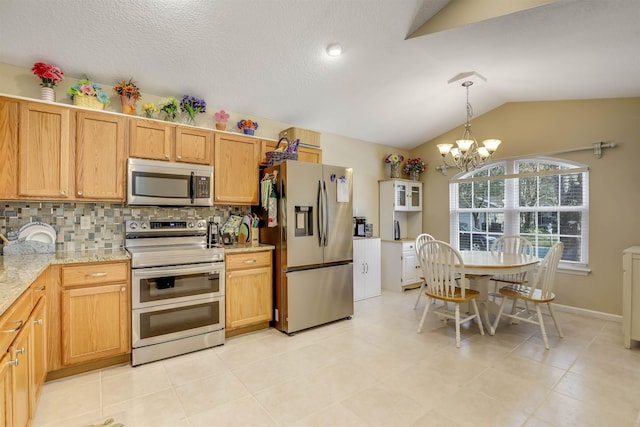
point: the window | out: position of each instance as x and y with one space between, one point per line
543 199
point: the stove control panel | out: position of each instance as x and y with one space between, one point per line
153 227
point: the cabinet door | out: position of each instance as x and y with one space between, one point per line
372 268
359 269
401 196
9 114
248 297
409 271
21 353
44 151
415 197
100 156
308 154
236 169
38 358
150 140
194 146
6 391
95 323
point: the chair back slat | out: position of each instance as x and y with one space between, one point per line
421 240
545 276
513 244
442 265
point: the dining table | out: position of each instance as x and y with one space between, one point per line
480 266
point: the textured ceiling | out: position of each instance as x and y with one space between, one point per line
267 57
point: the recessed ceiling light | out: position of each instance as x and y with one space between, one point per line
334 49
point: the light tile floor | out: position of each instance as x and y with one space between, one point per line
372 370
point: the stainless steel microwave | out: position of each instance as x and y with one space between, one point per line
157 183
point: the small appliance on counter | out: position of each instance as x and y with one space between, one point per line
359 226
396 229
368 230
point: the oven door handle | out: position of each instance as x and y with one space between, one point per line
176 271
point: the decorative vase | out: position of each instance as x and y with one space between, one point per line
415 175
128 104
248 131
395 170
221 126
47 94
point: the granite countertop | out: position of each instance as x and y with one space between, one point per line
17 272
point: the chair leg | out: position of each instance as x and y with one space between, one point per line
424 314
475 307
555 321
492 328
542 330
419 295
457 325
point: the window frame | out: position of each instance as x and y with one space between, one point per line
511 209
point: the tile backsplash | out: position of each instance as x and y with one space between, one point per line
107 220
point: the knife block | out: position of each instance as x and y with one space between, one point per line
255 240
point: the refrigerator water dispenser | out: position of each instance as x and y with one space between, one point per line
304 221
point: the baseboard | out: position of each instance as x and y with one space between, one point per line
588 313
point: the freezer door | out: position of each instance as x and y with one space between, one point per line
339 228
318 296
302 182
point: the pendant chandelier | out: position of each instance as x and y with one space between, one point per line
467 155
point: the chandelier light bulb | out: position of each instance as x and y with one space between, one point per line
444 148
334 50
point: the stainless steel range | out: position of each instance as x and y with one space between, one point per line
177 284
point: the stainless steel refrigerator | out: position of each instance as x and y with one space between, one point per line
313 275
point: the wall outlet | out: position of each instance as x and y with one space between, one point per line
85 222
217 219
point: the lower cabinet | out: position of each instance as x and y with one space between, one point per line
95 312
20 354
38 357
400 266
366 268
6 390
248 293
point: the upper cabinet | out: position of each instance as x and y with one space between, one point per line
100 156
44 147
305 154
408 196
163 141
236 169
150 139
9 114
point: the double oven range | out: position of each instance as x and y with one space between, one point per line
177 282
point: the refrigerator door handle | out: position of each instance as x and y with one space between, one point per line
320 214
325 211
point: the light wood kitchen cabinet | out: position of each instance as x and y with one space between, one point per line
9 120
100 156
163 141
20 354
44 151
38 357
150 139
248 290
236 169
96 315
6 391
305 154
194 145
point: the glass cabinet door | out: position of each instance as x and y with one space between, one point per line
401 196
416 197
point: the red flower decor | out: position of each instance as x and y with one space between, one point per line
49 74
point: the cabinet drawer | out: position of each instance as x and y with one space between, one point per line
408 246
82 275
14 319
247 260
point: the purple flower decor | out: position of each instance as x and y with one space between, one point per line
192 106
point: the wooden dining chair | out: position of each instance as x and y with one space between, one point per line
444 280
510 244
421 240
537 291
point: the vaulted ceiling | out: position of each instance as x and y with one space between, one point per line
268 58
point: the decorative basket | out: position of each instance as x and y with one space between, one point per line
87 101
278 156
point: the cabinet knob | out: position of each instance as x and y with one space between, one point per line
14 362
79 193
166 156
63 192
122 289
217 197
37 322
16 329
179 157
21 350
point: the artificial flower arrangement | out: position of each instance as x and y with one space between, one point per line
221 118
148 109
394 159
49 75
192 106
170 106
414 165
86 88
247 126
128 89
